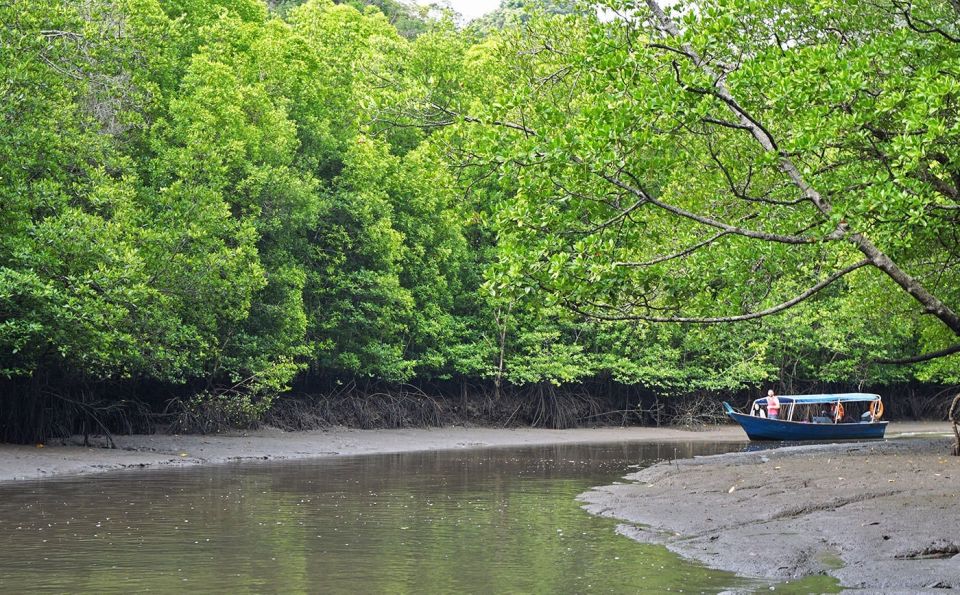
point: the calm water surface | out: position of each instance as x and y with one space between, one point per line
469 521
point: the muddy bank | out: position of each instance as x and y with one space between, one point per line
160 450
881 516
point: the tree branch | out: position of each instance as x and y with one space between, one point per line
742 194
709 221
503 123
914 23
724 123
675 255
931 304
924 174
922 358
724 319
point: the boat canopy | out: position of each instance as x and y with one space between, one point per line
814 399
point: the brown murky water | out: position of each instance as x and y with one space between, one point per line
469 521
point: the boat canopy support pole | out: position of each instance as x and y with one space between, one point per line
953 419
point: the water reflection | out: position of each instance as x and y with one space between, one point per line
474 521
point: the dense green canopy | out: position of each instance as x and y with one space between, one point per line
229 195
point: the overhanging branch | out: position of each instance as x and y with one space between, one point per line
704 220
931 303
502 123
675 255
923 357
723 319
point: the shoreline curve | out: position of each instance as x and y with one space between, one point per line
879 515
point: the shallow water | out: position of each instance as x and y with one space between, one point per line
467 521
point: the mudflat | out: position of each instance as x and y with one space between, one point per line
70 457
879 515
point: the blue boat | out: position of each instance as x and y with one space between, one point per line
815 417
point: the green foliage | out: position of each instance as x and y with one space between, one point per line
224 194
409 19
589 120
515 13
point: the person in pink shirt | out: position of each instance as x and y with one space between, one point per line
773 405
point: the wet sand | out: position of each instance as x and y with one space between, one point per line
880 516
164 450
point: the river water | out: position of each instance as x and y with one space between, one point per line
467 521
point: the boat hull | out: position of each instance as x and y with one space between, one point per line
762 428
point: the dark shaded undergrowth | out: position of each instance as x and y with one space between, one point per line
41 411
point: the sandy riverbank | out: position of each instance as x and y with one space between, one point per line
879 516
159 450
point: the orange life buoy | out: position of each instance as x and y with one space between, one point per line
876 409
839 413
